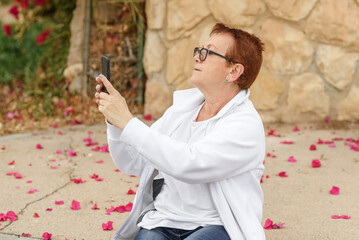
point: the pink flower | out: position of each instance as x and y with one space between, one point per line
75 205
36 215
271 133
327 119
10 115
148 117
59 202
312 147
130 192
296 129
95 207
269 225
107 226
94 176
32 191
96 149
78 180
341 216
291 159
11 163
11 216
287 142
104 149
7 30
282 174
41 38
3 148
39 146
109 211
3 217
316 163
14 11
46 236
128 207
26 234
17 175
334 190
72 153
59 152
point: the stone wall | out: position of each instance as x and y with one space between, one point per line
311 62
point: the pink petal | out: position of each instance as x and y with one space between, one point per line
148 117
130 192
99 179
271 133
296 129
332 145
49 209
11 216
327 119
29 181
72 153
128 207
3 148
60 133
107 226
32 191
117 170
26 234
59 202
96 149
59 152
39 146
268 224
104 149
17 175
36 215
335 216
287 142
109 211
94 176
53 167
316 163
95 207
100 161
320 141
75 205
78 180
121 209
334 190
54 125
12 162
282 174
291 159
312 147
3 217
46 236
10 115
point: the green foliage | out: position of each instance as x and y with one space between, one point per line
39 67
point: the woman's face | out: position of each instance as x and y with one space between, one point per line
212 72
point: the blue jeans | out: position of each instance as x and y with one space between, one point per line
213 232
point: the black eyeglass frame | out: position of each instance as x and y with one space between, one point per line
197 50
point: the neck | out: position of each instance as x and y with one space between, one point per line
215 101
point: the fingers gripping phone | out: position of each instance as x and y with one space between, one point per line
105 63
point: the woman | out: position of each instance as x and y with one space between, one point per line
201 163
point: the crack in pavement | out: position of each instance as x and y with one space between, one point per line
74 165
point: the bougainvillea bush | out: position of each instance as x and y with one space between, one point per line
34 49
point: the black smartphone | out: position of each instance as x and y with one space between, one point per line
105 63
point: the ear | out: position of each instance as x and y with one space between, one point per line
235 72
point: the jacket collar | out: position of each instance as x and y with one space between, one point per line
186 100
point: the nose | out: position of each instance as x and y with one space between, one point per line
196 58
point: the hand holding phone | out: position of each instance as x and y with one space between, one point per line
105 63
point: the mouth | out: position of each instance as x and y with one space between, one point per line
196 69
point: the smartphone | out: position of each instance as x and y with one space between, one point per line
105 63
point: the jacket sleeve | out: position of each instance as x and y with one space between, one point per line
126 157
235 146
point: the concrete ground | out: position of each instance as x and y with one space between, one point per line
301 201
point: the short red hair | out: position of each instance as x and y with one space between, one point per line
247 50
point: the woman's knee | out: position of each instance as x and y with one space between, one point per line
145 234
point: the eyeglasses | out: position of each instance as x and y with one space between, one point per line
203 52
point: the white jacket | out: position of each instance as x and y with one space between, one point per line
229 158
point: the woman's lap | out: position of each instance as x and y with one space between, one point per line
203 233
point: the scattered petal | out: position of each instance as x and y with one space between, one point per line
11 216
107 226
53 167
49 209
292 159
32 191
26 234
12 162
316 163
296 129
269 225
334 190
29 181
109 211
128 207
36 215
130 192
282 174
46 236
78 180
340 216
75 205
287 142
3 217
148 117
104 148
312 147
95 207
271 133
72 153
59 152
327 119
59 202
332 145
39 146
117 170
100 161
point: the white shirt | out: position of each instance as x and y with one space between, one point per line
179 204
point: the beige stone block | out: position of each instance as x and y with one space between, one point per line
337 65
291 9
335 22
155 13
266 90
307 100
184 15
237 13
179 57
287 50
349 107
5 16
154 53
158 98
